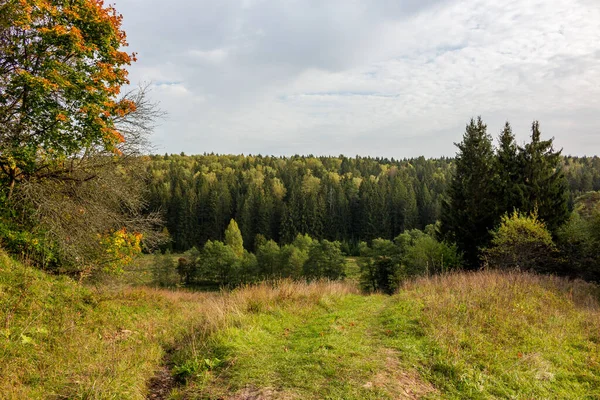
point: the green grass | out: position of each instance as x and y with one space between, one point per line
478 335
63 340
482 335
503 335
352 268
324 351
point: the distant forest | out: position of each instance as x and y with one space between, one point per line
334 198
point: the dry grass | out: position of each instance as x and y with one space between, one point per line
224 310
508 284
504 306
511 334
265 297
63 340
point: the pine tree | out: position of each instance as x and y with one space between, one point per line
545 187
468 211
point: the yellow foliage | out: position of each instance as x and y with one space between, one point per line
121 247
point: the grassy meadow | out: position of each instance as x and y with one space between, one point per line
466 335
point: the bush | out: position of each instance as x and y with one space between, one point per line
164 270
579 239
325 260
424 255
522 242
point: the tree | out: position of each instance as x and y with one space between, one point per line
545 187
380 266
164 270
219 264
469 209
292 261
233 239
268 257
509 184
579 239
62 69
71 171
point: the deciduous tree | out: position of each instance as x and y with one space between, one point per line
61 71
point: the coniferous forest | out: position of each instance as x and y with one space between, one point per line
496 202
336 198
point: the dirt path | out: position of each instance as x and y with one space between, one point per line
162 383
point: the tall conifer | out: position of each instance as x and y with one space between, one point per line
509 184
468 211
545 187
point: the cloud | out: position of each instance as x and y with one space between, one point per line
215 56
381 77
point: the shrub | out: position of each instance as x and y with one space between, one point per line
325 260
427 256
579 239
164 270
522 242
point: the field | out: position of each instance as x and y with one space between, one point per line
465 335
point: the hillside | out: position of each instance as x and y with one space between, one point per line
466 335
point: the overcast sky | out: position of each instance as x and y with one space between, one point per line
394 78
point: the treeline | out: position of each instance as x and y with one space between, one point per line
335 198
383 264
227 263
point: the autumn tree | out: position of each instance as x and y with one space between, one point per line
233 239
70 141
62 69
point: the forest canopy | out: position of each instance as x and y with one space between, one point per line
335 198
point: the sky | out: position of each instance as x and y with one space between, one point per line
388 78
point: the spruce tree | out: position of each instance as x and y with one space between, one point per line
544 186
509 174
468 211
